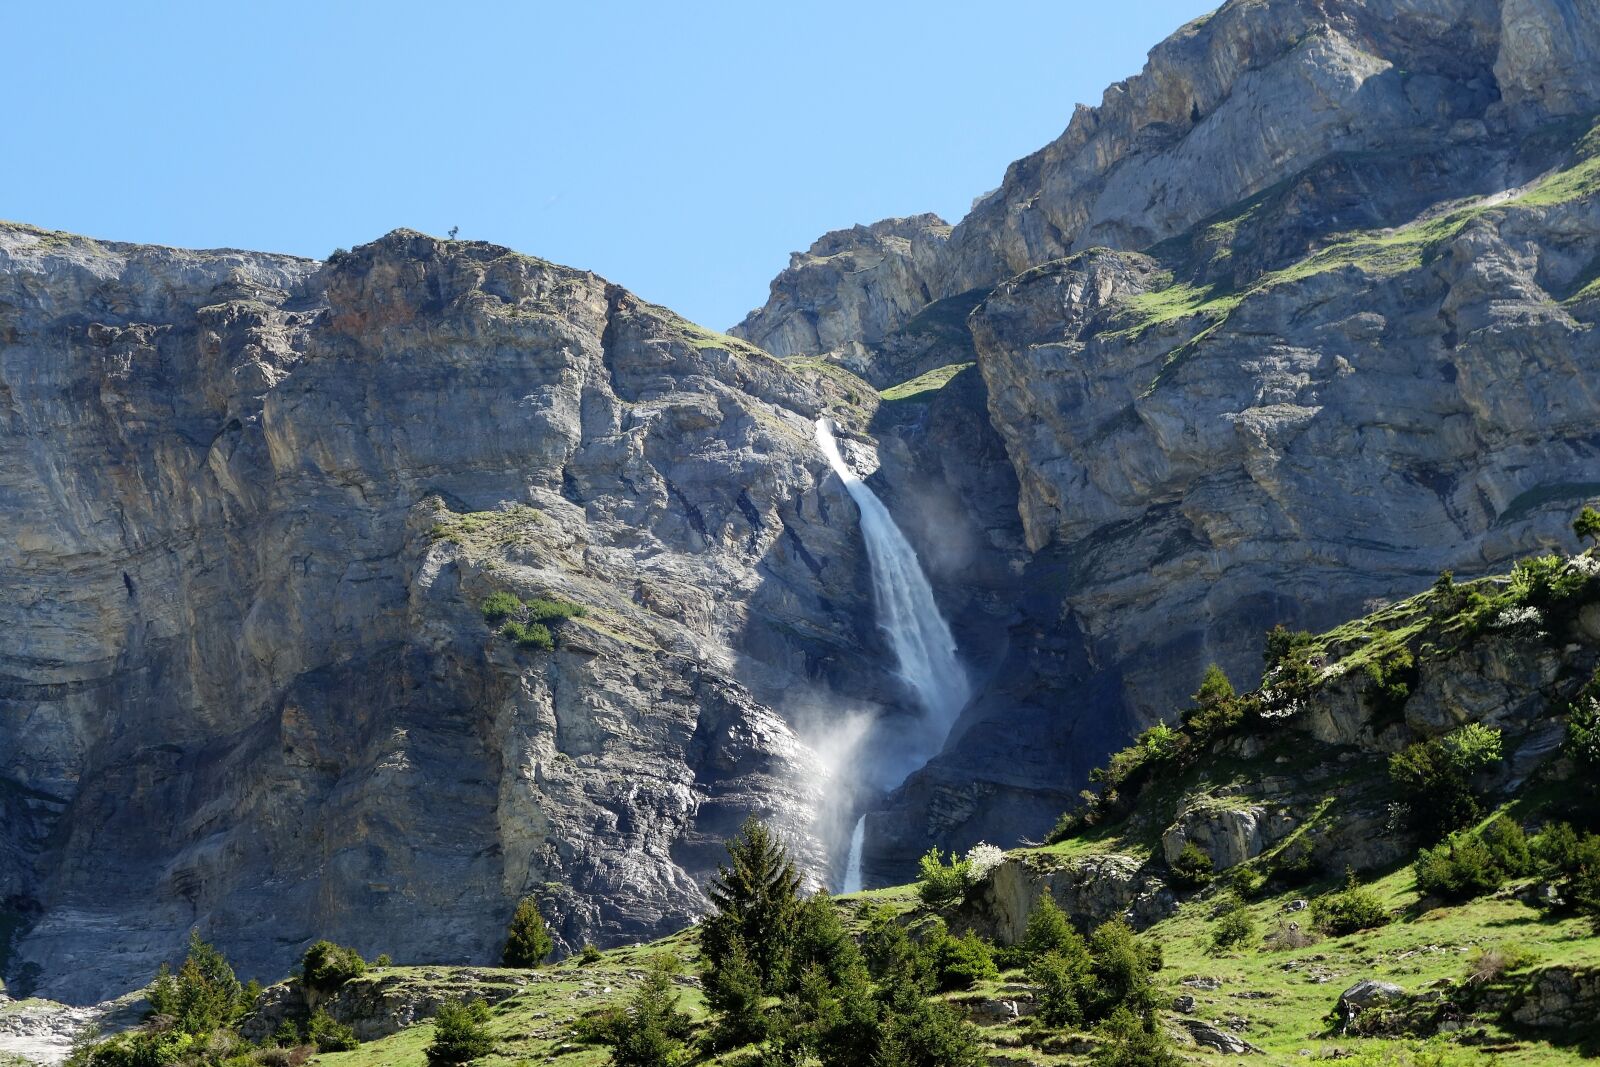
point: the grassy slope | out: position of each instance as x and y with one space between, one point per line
1278 1000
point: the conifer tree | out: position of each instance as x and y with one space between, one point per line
756 896
528 940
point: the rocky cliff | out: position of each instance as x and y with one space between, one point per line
1296 318
1293 320
253 505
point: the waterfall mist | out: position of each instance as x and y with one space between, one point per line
925 652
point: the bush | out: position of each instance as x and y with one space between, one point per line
535 635
528 941
1587 525
1436 776
589 955
1458 869
1348 910
500 606
287 1035
1583 733
326 966
383 960
961 962
1234 925
330 1035
1120 966
1192 868
1493 962
648 1030
1282 643
459 1033
1216 707
1049 932
1556 847
916 1032
1060 983
1130 1038
1392 675
1470 865
541 609
943 885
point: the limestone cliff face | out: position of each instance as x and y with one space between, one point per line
1293 320
252 506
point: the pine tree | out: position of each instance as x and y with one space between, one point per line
527 939
1587 524
459 1033
756 896
733 990
203 995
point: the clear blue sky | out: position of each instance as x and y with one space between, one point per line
681 149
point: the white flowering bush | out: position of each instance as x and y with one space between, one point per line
981 859
1510 617
1586 565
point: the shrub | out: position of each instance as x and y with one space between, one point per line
648 1030
733 990
287 1035
1161 743
1282 643
1436 776
892 955
1556 847
1470 865
383 960
541 609
1061 983
961 962
1192 868
500 606
943 885
1583 733
917 1032
1493 962
589 955
330 1035
1288 936
1130 1038
1392 676
535 635
326 966
1120 965
1458 869
1587 525
1349 909
1049 932
1234 925
981 859
1216 706
459 1033
528 941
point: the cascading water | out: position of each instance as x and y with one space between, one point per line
924 650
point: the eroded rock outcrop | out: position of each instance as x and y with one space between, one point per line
253 506
1296 319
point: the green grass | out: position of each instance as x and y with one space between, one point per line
1291 992
1378 253
860 397
482 530
924 386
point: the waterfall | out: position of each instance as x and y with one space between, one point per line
852 866
925 653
